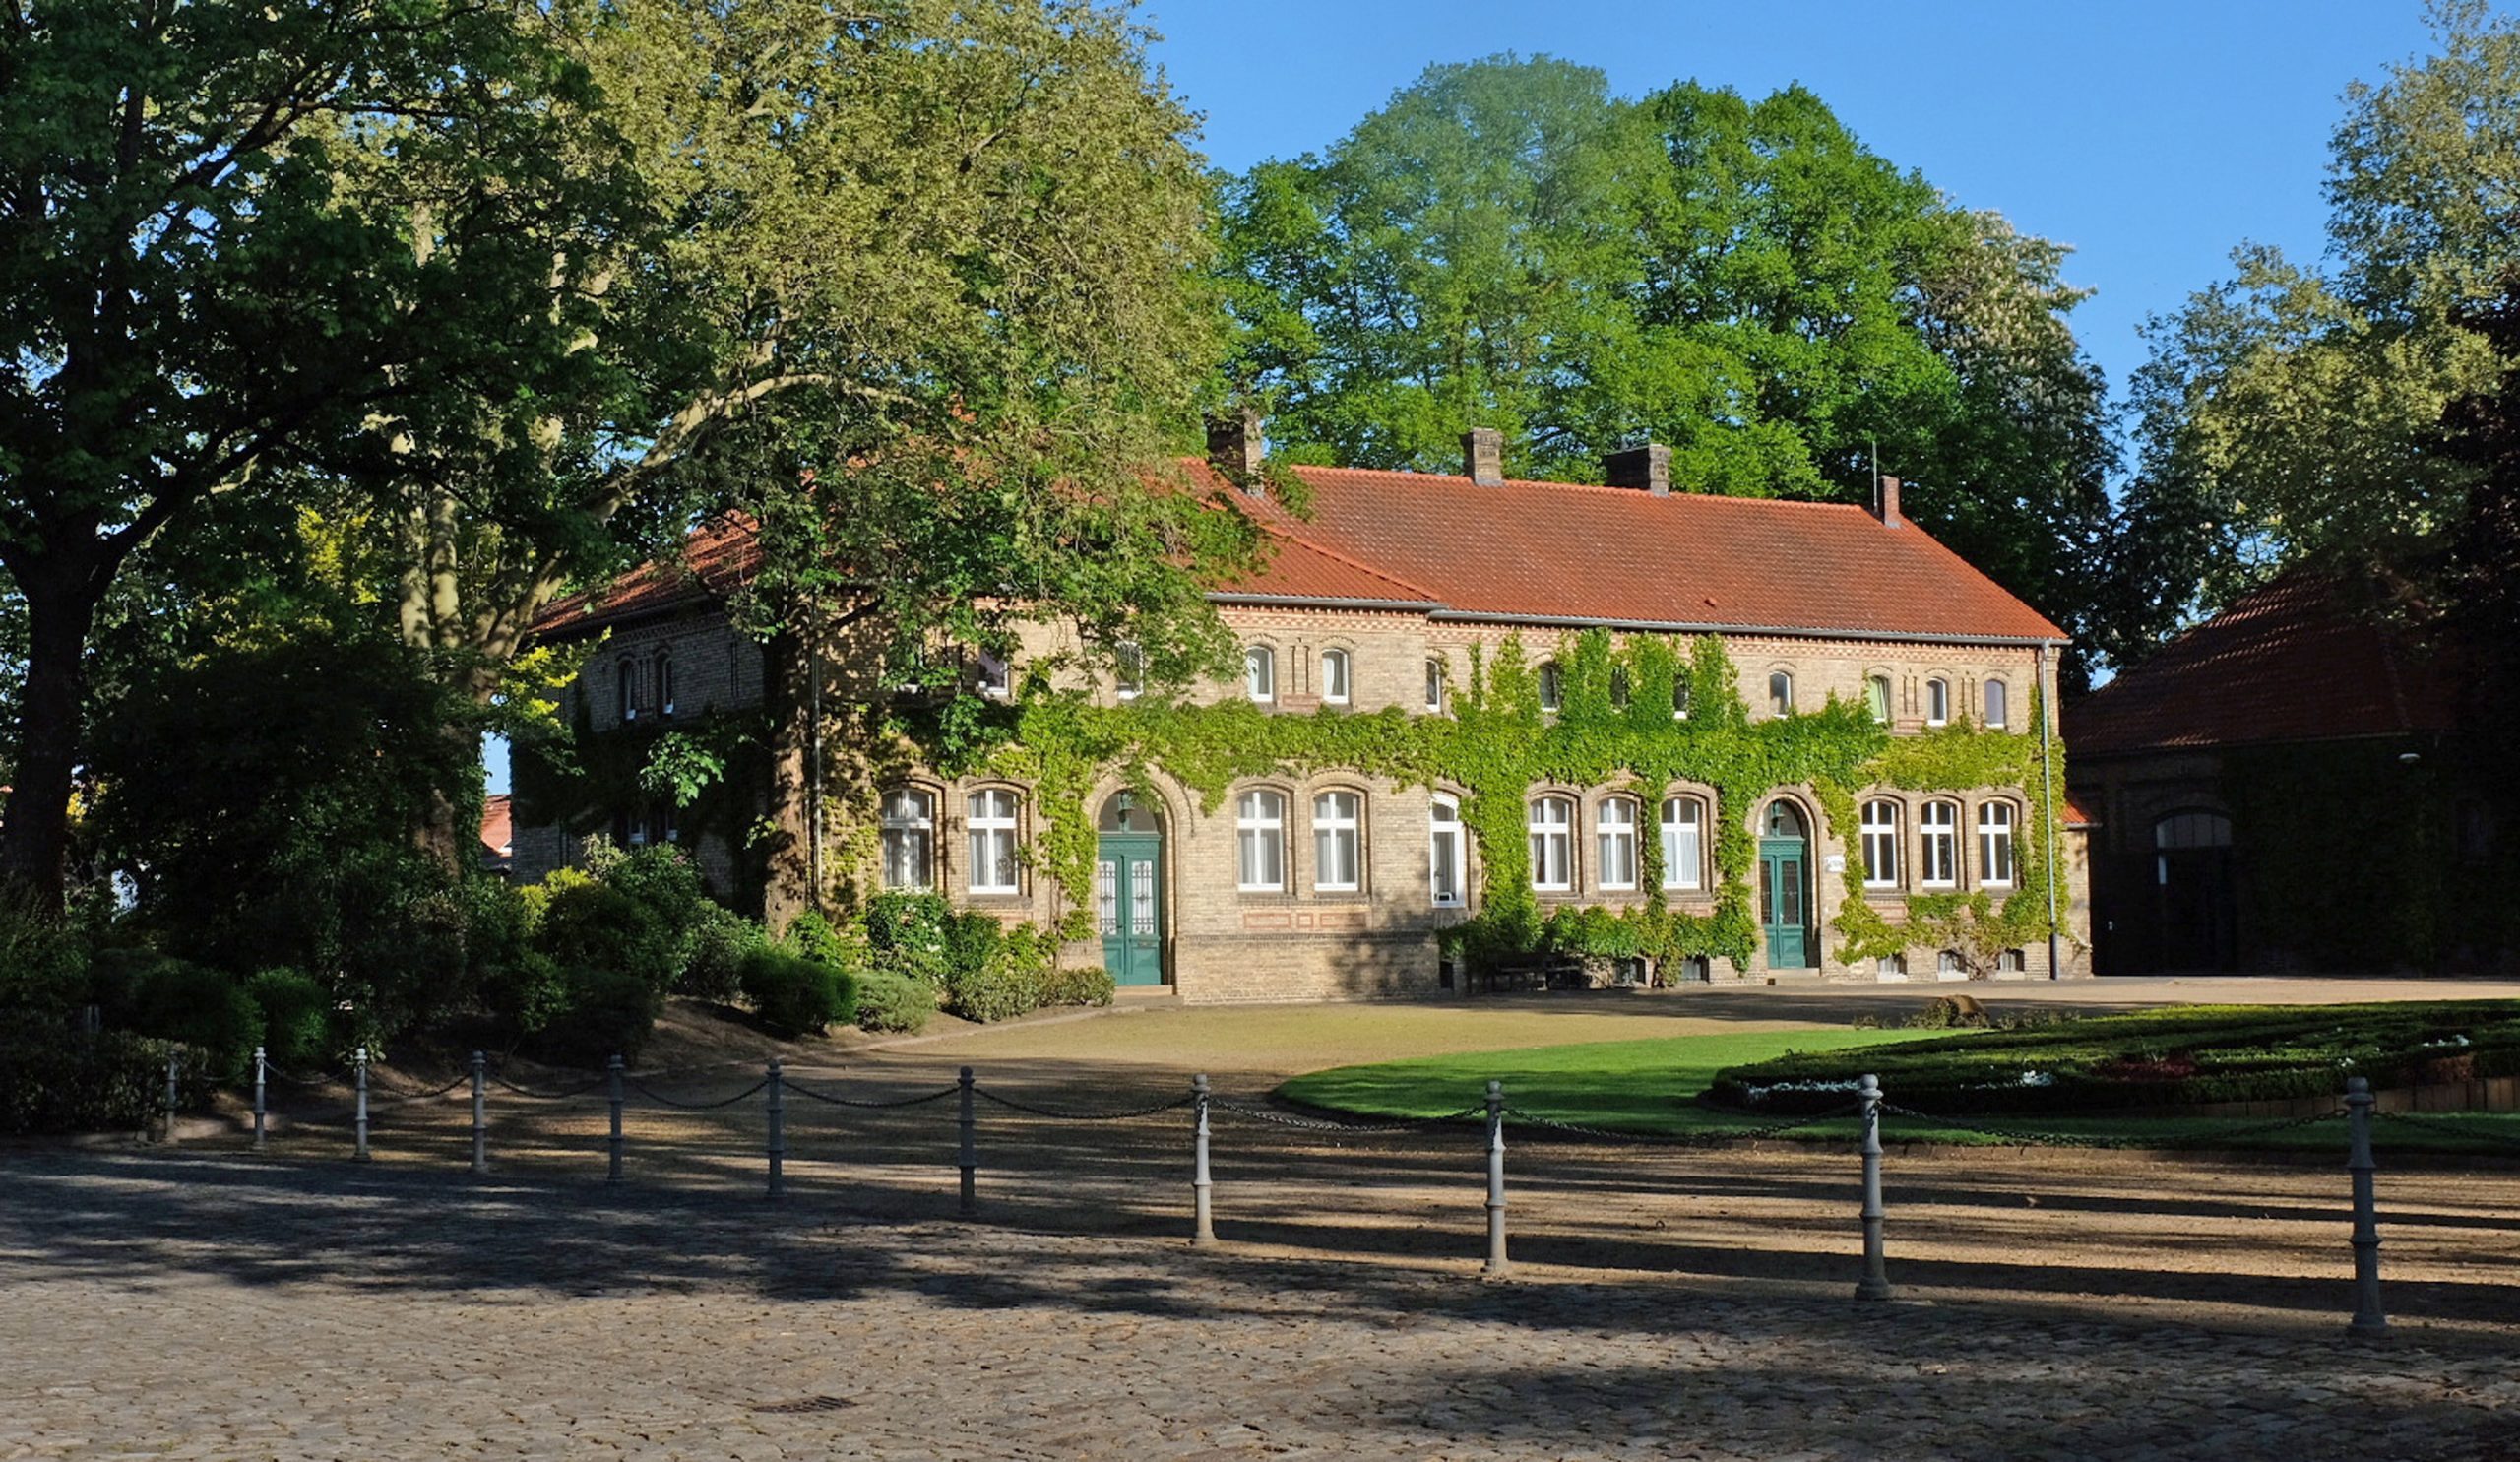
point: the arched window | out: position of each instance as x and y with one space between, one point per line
1780 693
1260 840
1553 834
663 686
1881 845
1620 686
1615 832
1552 686
1995 843
1938 702
1876 697
2192 830
1334 677
1998 709
992 838
1447 857
910 839
625 687
1683 842
1680 697
1260 673
1338 843
1939 850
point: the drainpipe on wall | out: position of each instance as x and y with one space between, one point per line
2047 794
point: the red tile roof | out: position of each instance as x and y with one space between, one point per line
2075 816
2299 659
1525 551
498 835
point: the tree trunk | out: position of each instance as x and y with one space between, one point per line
793 883
34 837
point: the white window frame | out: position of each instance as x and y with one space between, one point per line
1938 702
1880 830
1338 677
660 669
1876 697
1338 840
1995 823
1683 842
1129 669
1436 675
1997 697
1446 846
996 675
1615 836
1780 692
625 690
1680 696
1260 840
1938 829
1550 822
909 838
1552 686
1260 674
992 827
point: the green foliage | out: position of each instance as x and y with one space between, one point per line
602 1012
43 963
297 1018
594 925
795 995
817 938
52 1081
1077 984
2179 1056
719 938
910 933
204 1009
888 1002
1006 975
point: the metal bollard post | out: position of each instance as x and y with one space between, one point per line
174 1070
969 1158
778 1132
613 1144
359 1152
2369 1323
1875 1284
1202 1229
1495 1180
261 1069
481 1120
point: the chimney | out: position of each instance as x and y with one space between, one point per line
1234 449
1887 501
1648 467
1483 455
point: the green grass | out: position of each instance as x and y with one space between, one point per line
1652 1087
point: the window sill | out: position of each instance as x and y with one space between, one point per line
996 896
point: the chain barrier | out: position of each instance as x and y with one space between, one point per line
298 1081
1686 1139
2431 1122
2036 1139
1317 1124
397 1099
985 1094
560 1095
800 1088
642 1089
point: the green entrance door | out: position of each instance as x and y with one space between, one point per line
1128 906
1785 889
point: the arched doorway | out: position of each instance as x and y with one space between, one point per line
1128 890
1785 886
2199 920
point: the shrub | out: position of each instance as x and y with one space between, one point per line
812 935
297 1018
969 940
44 964
793 994
593 924
906 934
888 1002
720 939
53 1080
527 993
1010 982
603 1013
204 1009
1077 984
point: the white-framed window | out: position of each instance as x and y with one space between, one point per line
1614 830
625 688
995 674
991 826
1876 697
908 839
1938 849
1890 967
1938 702
1334 677
1260 673
1948 963
1552 686
1680 696
1337 842
2011 962
1129 669
1683 842
662 670
1998 705
1434 682
1260 840
1447 854
1881 845
1780 693
1995 843
1553 834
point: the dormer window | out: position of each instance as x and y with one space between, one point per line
1334 677
1552 686
1260 674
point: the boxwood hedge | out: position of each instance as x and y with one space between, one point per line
2177 1056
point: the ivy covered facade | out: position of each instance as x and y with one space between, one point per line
1482 726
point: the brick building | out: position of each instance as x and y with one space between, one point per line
1327 880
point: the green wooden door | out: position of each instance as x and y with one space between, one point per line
1128 906
1784 902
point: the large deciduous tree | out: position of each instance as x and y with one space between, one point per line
198 298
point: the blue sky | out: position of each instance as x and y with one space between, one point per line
2153 136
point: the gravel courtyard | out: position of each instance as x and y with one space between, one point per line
206 1302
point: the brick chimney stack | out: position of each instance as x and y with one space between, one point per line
1234 449
1483 455
1888 493
1648 467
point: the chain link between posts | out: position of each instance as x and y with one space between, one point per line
1317 1124
643 1088
1056 1114
1685 1139
790 1083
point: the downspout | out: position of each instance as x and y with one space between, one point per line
2047 794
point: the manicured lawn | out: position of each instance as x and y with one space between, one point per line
1652 1087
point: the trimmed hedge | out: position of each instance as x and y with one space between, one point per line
795 995
889 1002
2178 1056
65 1082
